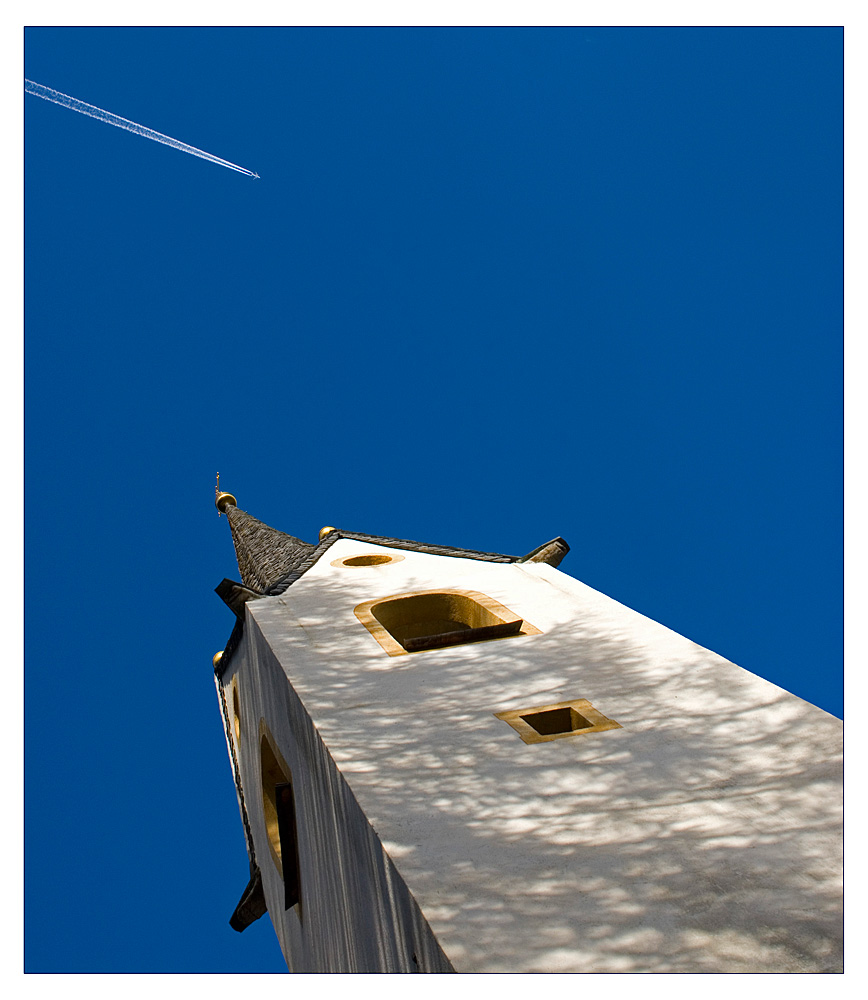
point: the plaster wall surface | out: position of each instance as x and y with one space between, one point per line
703 836
355 913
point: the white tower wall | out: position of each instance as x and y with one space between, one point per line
702 836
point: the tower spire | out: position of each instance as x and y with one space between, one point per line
265 555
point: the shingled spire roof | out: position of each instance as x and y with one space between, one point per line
264 554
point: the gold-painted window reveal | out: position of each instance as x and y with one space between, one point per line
278 806
434 619
543 723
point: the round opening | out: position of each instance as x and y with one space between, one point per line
368 560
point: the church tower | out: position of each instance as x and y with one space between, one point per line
449 760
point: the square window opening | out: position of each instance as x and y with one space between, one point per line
564 719
557 720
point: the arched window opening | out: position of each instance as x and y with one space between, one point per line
278 805
432 619
236 708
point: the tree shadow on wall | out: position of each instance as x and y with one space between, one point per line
701 837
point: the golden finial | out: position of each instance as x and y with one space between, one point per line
324 531
223 500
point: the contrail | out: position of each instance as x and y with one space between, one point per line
106 116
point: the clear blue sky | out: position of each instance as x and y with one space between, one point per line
493 285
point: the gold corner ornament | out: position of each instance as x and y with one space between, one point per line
223 500
324 531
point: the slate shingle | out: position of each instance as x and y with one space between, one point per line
264 554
